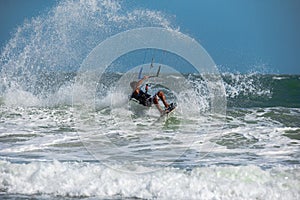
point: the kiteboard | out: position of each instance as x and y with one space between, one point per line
169 110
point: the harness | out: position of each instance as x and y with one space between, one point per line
143 98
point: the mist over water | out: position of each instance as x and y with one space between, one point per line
59 40
52 148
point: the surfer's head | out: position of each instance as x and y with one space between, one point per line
133 84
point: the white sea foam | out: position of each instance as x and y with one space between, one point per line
245 84
248 140
93 180
17 97
279 77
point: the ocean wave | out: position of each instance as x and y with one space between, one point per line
76 179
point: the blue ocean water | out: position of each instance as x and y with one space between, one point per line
54 148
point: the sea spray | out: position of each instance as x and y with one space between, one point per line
58 41
262 90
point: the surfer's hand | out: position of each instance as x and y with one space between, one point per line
145 77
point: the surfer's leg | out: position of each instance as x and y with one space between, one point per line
155 101
162 97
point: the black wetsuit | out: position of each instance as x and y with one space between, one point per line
143 98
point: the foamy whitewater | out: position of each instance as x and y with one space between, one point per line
53 148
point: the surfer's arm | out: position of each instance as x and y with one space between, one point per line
140 82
